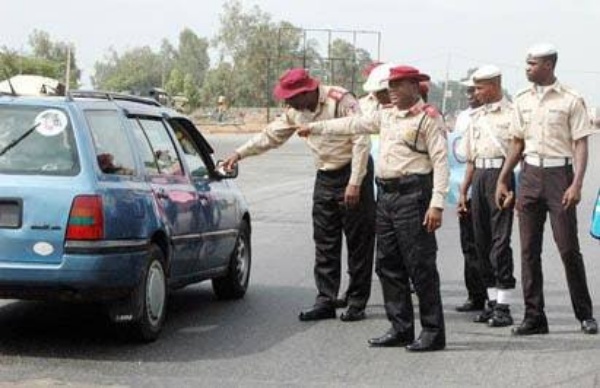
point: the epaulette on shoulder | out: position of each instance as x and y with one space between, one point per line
571 91
431 111
337 94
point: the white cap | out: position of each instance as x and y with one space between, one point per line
468 82
378 79
486 72
541 50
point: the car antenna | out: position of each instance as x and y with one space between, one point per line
12 88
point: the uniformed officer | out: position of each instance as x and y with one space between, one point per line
486 143
476 290
550 128
412 182
377 89
343 199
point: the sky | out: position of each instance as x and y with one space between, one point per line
440 37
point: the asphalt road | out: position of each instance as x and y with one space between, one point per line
259 342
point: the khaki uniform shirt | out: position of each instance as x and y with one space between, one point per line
549 122
488 132
368 104
331 153
398 129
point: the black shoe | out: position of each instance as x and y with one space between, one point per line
428 342
470 305
531 327
501 316
486 314
316 313
391 338
589 326
353 314
340 303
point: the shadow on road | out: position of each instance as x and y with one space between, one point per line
198 327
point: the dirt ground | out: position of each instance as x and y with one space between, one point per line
240 120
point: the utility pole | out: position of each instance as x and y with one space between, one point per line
68 72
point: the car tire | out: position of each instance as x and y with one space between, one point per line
235 283
150 297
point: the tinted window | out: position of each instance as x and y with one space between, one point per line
191 152
113 151
37 140
162 147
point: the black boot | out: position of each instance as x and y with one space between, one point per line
501 316
486 314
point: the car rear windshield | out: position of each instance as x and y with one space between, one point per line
36 140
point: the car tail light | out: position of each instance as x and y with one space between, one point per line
86 220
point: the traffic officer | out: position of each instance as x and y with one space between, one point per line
550 128
377 89
476 290
343 198
412 182
486 143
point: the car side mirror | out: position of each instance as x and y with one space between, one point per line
222 173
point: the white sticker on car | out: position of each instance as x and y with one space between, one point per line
51 122
43 248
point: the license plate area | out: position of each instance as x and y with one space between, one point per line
10 213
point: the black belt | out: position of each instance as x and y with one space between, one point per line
404 184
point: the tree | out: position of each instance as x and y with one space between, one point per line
44 48
346 63
137 70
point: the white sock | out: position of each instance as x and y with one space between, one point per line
492 293
504 296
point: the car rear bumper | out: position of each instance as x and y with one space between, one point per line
98 276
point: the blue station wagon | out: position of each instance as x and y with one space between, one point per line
115 198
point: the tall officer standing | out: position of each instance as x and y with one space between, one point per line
343 199
550 128
486 145
412 182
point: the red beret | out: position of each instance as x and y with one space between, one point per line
293 82
407 72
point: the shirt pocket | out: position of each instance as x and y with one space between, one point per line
557 117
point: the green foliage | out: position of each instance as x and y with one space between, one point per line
137 70
48 59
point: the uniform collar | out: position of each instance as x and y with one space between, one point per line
555 87
412 111
495 106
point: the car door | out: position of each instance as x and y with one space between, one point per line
216 211
174 193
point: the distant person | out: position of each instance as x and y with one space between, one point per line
486 144
343 198
550 130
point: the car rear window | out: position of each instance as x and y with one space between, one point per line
36 140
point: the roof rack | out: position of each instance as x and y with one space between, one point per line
111 96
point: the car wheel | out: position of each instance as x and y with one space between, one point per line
151 298
235 283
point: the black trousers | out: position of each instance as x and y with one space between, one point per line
541 191
493 229
331 219
476 289
405 250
